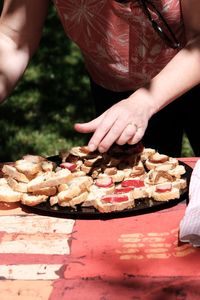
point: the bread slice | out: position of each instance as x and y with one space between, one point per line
32 200
34 158
16 185
8 195
156 177
137 171
174 193
160 160
146 153
48 191
180 183
178 171
80 151
103 190
84 182
79 173
53 200
63 187
12 172
27 167
92 196
76 186
103 207
3 181
117 177
74 201
49 179
48 165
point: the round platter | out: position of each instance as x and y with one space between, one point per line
143 206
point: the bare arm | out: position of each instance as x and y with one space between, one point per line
183 71
180 74
21 26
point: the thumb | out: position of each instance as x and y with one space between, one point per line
89 126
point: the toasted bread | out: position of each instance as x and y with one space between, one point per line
155 177
3 181
63 187
146 153
177 171
74 201
12 172
117 177
32 200
103 207
159 160
8 195
49 179
80 151
27 167
53 200
34 158
48 165
77 186
48 191
16 185
174 193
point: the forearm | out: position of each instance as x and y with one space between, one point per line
21 26
13 61
180 75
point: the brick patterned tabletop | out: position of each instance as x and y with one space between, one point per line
48 258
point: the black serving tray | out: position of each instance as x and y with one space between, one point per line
143 206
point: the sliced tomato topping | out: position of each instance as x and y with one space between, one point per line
68 165
123 190
133 183
104 182
165 187
114 198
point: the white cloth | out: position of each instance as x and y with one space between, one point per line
190 224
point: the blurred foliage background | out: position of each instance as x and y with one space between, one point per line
53 94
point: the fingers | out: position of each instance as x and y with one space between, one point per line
105 136
108 130
117 124
119 132
89 126
136 138
127 134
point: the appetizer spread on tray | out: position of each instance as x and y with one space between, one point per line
112 181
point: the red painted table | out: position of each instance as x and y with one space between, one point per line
47 258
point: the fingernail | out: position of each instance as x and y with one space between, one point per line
91 147
101 149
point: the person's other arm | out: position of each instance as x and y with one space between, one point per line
118 124
21 26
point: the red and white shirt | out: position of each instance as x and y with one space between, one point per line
121 49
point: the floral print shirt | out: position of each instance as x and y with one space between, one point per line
121 49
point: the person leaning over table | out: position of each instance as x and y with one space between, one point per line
143 59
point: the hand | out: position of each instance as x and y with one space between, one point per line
125 122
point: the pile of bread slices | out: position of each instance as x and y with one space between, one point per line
111 181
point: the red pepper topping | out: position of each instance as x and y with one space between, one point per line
133 183
114 198
68 165
123 190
